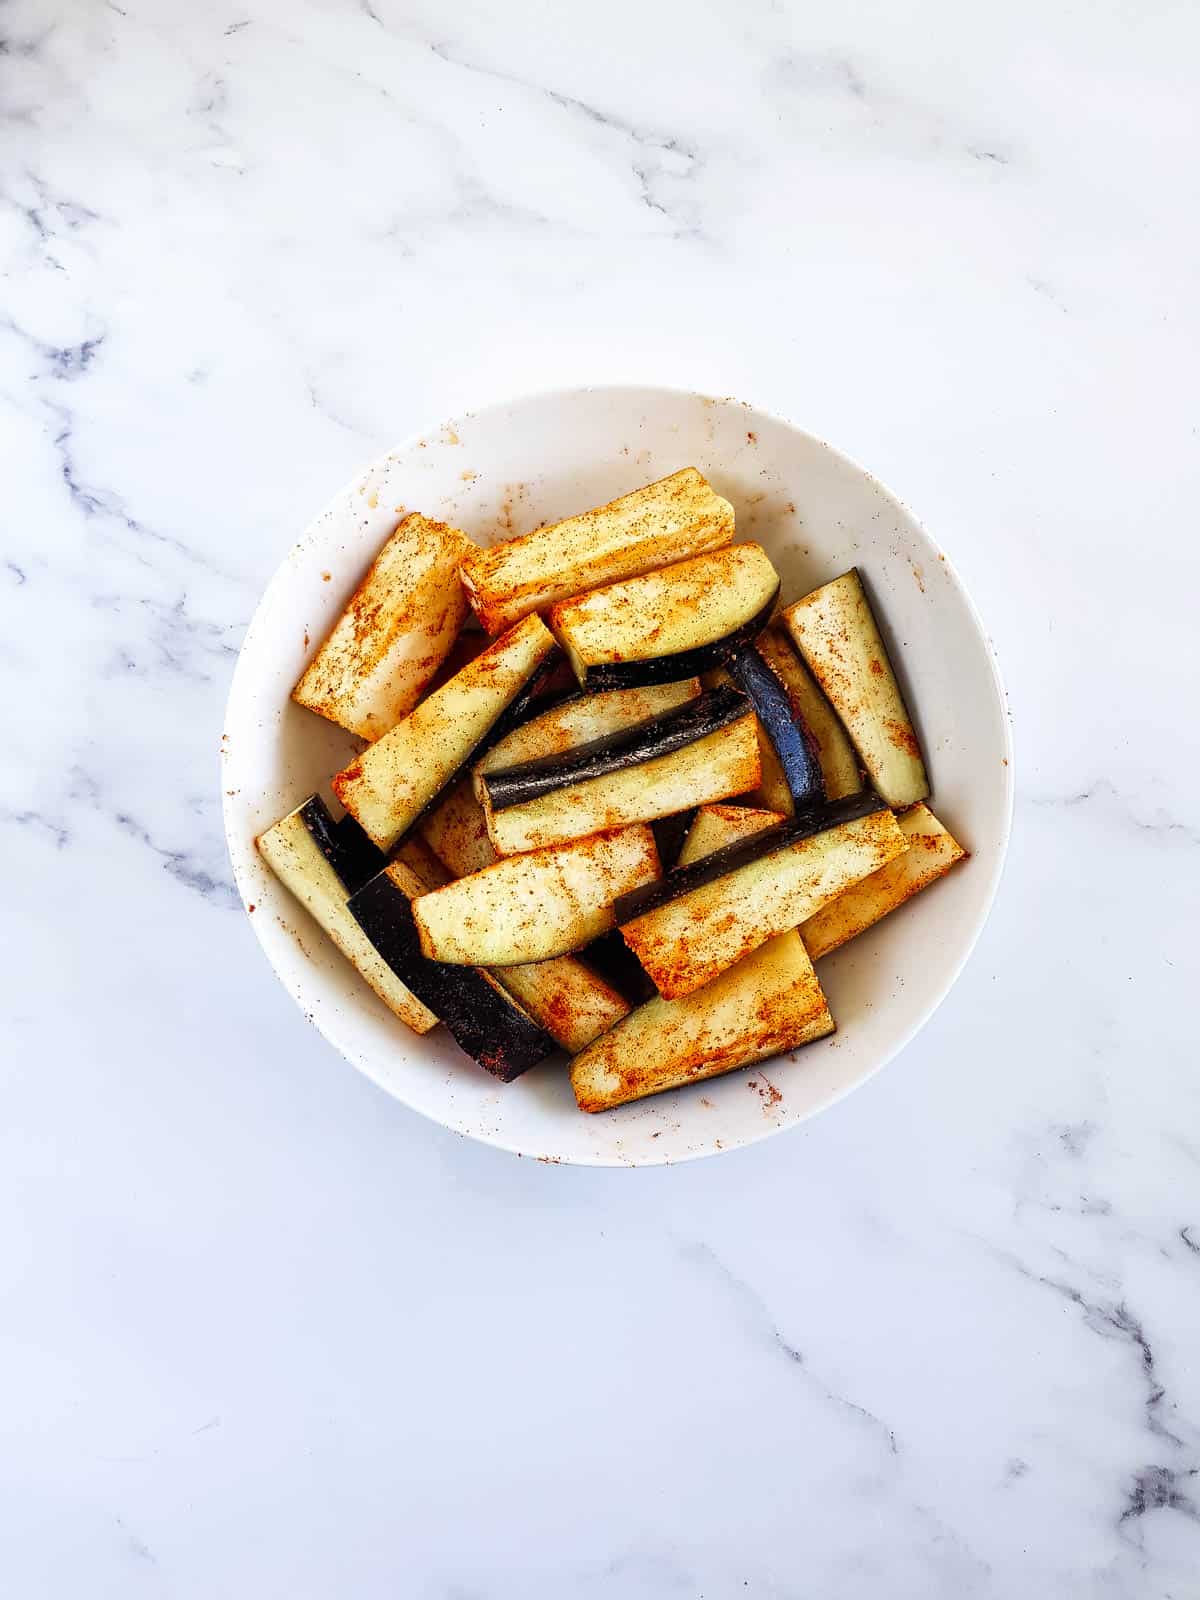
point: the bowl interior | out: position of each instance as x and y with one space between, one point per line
505 470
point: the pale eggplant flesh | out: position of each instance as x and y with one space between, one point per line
684 663
839 763
319 862
535 906
715 767
664 522
483 1020
670 834
836 632
393 782
675 623
775 836
546 687
690 939
579 717
396 631
613 752
767 1003
932 851
713 827
565 996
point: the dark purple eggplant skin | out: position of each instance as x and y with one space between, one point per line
684 879
683 664
529 702
797 754
616 963
670 833
344 845
613 752
482 1019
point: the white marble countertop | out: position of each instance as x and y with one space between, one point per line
265 1332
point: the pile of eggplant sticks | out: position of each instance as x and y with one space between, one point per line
614 801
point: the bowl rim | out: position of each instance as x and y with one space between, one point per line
562 392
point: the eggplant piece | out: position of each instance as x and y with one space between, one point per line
835 631
839 764
419 858
706 917
320 865
565 996
670 833
721 764
670 624
357 860
484 1021
932 851
388 787
530 701
617 965
538 905
769 1002
667 521
773 792
744 848
611 752
455 829
399 625
579 718
795 752
715 827
471 642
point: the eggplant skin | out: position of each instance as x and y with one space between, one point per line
684 879
687 942
537 696
713 827
797 754
614 752
618 966
839 763
355 859
721 764
482 1019
304 852
670 834
578 718
684 663
348 851
574 1004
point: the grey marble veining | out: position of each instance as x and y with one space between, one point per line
265 1332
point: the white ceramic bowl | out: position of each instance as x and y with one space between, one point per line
503 471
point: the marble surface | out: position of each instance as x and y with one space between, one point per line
265 1332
